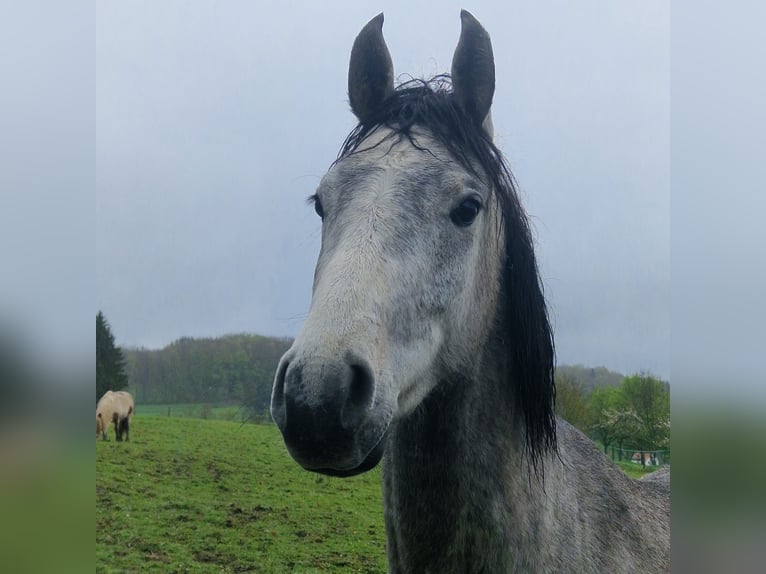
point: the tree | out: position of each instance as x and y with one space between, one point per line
601 406
637 414
624 424
571 404
649 398
110 363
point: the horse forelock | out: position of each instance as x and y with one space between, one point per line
428 105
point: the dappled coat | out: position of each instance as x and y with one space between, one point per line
114 407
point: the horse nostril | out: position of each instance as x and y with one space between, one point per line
360 394
362 386
278 395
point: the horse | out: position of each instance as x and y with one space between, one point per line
114 407
428 344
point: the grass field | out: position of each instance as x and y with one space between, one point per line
634 470
194 410
192 495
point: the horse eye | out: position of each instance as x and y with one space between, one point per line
464 214
318 207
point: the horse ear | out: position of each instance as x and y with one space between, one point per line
370 72
473 70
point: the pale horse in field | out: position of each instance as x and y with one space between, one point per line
114 407
428 344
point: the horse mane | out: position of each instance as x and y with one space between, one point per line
527 337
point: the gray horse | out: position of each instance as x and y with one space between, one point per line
428 340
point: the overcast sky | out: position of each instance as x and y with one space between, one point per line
215 120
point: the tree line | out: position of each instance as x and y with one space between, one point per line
110 362
631 415
234 369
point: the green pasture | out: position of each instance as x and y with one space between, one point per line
194 410
634 470
194 495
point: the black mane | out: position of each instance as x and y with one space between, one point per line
528 338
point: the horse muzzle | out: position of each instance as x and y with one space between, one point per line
323 407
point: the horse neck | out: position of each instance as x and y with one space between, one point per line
454 477
459 496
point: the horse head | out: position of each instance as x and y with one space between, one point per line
412 267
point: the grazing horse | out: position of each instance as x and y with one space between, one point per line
428 343
114 407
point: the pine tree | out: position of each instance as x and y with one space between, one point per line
110 363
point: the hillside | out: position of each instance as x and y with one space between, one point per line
590 378
234 369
